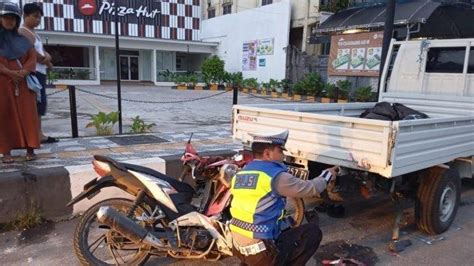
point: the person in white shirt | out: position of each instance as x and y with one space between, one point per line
32 14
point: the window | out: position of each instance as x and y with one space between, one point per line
325 47
266 2
445 60
227 9
470 66
211 12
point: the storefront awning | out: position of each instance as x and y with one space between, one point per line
374 16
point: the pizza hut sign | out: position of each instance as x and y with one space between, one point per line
89 8
141 11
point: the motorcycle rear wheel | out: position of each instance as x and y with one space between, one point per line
295 208
110 243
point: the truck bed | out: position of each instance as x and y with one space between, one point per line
334 134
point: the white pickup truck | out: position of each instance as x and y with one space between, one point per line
435 77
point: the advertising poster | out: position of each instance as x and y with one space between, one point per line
265 46
355 54
249 56
374 56
357 58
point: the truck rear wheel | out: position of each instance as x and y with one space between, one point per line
437 199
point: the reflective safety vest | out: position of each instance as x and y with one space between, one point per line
256 209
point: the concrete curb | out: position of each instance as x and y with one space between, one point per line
50 189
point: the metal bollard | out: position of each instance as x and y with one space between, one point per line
73 111
236 95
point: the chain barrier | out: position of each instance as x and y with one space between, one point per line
151 102
271 99
56 92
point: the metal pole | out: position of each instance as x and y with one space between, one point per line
387 36
117 59
236 95
73 110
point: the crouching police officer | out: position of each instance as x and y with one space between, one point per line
258 204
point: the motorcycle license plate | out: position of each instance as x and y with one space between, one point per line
298 172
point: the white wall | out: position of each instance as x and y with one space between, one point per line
231 31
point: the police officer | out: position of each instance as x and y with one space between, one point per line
259 192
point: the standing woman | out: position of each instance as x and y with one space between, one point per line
18 114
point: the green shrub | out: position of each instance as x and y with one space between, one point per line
275 85
251 83
330 91
364 94
192 79
181 80
234 79
103 123
213 70
311 84
344 88
52 77
285 84
139 126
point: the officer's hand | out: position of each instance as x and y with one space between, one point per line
330 174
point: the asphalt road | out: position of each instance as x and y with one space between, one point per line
363 234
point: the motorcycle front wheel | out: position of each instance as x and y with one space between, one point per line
97 244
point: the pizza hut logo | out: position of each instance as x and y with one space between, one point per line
87 7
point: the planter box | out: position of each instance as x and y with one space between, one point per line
326 100
182 87
310 98
199 88
341 101
286 95
213 87
297 97
275 94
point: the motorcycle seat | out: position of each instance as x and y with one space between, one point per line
179 186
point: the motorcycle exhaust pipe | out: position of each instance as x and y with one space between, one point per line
127 228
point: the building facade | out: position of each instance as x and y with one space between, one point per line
156 38
304 17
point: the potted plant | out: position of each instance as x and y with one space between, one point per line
181 82
192 80
364 94
251 84
276 86
329 93
234 80
314 84
344 87
213 70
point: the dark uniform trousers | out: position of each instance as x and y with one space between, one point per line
293 247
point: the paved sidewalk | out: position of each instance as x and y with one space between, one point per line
79 151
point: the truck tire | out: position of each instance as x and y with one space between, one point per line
437 199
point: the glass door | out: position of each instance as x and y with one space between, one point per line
124 69
133 68
129 67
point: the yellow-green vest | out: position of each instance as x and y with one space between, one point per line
256 208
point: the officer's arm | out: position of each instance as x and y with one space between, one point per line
289 186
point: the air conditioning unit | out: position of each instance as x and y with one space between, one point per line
227 1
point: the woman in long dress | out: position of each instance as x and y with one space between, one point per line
18 114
